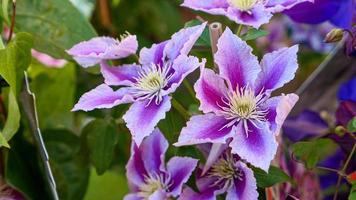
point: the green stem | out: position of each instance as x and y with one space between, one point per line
180 109
343 171
190 89
239 29
5 4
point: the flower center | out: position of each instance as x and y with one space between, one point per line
225 171
152 184
151 81
243 105
243 5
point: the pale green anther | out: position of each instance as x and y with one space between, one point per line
243 5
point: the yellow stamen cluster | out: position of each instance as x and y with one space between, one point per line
243 5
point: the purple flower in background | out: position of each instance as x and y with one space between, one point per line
248 12
226 174
92 52
347 91
237 102
350 46
306 124
338 12
147 174
163 68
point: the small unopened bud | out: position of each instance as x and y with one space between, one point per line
340 130
335 35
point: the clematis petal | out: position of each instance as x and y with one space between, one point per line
182 66
281 5
255 17
189 194
183 41
210 90
259 143
153 150
246 188
154 54
344 16
207 128
135 168
103 97
278 68
320 10
285 105
236 62
132 197
119 76
180 169
215 7
143 116
94 51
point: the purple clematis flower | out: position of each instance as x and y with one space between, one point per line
163 68
149 177
338 12
236 102
92 52
248 12
227 173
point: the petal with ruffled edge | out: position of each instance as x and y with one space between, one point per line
260 143
183 41
154 54
182 67
179 169
278 110
245 189
215 7
135 168
153 150
236 62
255 17
119 76
210 90
281 5
189 194
103 97
207 128
278 68
142 117
89 53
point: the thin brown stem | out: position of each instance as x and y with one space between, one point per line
343 170
13 17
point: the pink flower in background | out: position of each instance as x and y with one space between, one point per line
48 60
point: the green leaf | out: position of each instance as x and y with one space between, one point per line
23 169
69 163
204 39
253 34
352 195
274 176
55 25
101 138
13 61
351 126
311 152
54 89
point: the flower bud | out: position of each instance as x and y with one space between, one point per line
335 35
